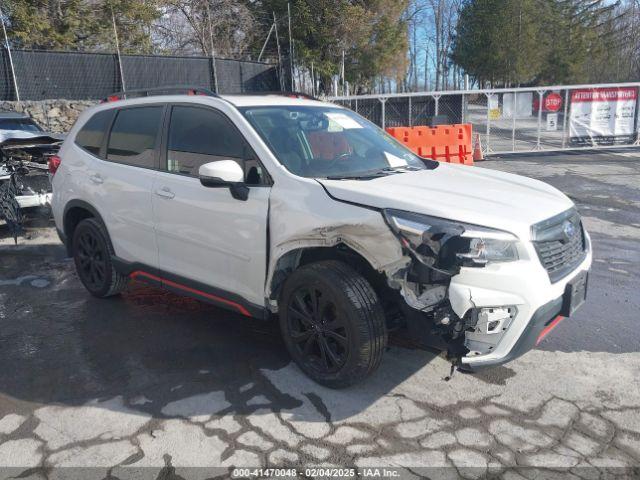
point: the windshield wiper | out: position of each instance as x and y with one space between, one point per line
367 175
353 177
401 168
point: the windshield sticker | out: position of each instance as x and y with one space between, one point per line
395 161
343 120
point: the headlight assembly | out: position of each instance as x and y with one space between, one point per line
445 245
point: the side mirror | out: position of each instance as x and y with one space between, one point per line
225 173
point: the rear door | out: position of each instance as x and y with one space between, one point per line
123 180
205 236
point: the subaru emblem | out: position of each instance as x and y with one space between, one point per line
568 229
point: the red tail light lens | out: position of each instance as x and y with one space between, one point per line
54 163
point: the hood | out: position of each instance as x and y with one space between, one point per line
467 194
22 137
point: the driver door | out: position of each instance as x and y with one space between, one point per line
207 240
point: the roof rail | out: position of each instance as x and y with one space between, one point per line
147 92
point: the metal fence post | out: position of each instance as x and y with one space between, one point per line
637 142
383 101
564 118
115 35
410 117
463 107
539 118
437 108
13 70
514 109
356 105
488 129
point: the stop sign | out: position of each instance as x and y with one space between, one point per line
552 102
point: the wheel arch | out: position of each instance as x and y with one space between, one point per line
298 257
74 212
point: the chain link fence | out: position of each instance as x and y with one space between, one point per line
518 120
42 75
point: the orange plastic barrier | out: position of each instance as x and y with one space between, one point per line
445 143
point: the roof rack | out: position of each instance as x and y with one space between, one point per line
147 92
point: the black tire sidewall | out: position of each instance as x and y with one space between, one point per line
91 226
359 335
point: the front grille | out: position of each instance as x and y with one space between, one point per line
560 243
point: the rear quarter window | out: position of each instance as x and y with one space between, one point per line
91 135
133 136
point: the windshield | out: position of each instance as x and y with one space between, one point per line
328 142
23 124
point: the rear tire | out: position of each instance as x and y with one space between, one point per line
332 323
92 251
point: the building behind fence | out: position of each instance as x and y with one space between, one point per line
520 119
44 75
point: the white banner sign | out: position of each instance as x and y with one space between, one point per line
603 115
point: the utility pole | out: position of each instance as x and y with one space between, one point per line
213 52
266 41
293 85
13 70
280 79
115 33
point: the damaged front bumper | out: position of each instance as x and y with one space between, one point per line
486 308
515 305
32 190
544 318
35 200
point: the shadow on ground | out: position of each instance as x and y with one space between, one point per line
62 346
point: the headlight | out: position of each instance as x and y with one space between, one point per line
446 245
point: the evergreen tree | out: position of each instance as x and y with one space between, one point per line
514 42
80 24
372 34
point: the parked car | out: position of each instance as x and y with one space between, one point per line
286 205
23 139
24 152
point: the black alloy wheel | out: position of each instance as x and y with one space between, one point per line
332 323
317 329
92 252
92 264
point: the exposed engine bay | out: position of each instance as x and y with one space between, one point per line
438 249
24 180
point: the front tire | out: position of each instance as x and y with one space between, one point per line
332 323
92 253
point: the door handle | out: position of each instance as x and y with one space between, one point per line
165 193
96 178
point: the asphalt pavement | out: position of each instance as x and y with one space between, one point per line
153 385
605 187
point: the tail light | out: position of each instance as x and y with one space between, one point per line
54 163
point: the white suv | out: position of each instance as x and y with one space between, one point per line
285 205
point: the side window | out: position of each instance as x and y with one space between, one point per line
201 135
133 136
92 133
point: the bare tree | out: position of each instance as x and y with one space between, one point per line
432 26
197 26
443 14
